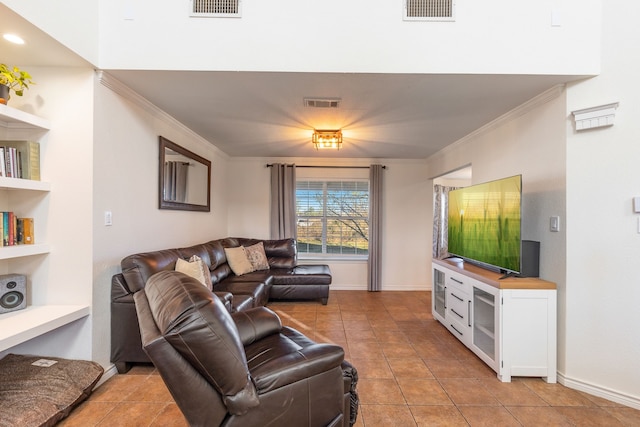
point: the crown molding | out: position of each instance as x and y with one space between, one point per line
520 110
126 92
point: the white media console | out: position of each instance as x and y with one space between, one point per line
508 323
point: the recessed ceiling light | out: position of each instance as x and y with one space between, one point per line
13 38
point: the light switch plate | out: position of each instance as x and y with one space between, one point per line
636 204
554 223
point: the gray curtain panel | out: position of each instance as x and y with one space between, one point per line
283 201
375 228
175 181
440 220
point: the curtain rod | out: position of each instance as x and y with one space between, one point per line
330 167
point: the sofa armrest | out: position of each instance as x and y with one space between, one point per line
297 365
119 289
226 298
256 323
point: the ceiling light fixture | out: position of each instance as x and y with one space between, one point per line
13 38
327 139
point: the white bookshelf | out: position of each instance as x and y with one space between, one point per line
16 251
16 119
18 327
23 184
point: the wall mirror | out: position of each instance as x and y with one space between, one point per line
185 179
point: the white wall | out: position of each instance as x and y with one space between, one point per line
530 141
588 178
603 243
353 36
360 36
73 23
406 222
125 170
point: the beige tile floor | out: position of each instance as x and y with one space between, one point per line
412 373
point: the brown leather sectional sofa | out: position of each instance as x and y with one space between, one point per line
256 373
284 279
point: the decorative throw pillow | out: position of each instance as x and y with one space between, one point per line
257 257
195 268
238 261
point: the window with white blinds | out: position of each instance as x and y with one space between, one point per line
333 217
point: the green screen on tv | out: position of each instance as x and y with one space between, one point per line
484 223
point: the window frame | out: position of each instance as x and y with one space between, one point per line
324 219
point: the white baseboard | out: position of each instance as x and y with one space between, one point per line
384 288
108 373
605 393
348 288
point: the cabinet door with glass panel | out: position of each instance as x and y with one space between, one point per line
486 343
439 294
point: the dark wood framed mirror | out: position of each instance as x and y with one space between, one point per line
185 179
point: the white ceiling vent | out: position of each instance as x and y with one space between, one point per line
429 10
322 102
215 8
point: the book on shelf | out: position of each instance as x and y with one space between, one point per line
20 159
28 237
15 231
5 228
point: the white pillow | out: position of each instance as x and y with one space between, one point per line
238 261
257 256
195 268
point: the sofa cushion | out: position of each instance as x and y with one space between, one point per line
280 359
281 253
195 268
238 261
257 290
312 274
193 321
257 257
242 302
138 268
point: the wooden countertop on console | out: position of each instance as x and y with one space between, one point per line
492 278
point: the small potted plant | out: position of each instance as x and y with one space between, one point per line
13 79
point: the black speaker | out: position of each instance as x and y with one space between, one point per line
530 260
13 292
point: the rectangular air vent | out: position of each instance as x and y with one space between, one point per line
322 102
215 8
429 10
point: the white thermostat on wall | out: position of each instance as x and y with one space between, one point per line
636 204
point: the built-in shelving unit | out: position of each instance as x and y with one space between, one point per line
23 184
18 119
17 327
20 326
9 252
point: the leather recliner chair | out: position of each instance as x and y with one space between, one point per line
240 369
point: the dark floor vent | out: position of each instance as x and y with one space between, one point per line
429 10
215 8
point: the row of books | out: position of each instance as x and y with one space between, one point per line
20 159
16 231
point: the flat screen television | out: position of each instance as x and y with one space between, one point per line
485 224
